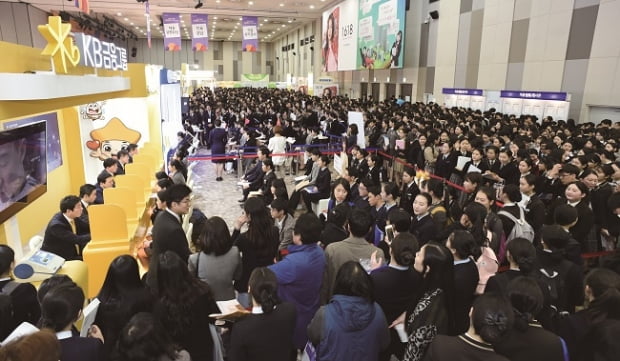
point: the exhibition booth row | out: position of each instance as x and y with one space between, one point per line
62 118
518 102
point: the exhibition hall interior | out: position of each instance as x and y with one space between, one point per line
309 180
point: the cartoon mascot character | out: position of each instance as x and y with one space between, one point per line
111 138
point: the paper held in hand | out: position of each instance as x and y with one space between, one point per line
230 310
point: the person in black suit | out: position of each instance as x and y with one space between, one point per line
446 161
267 333
410 190
110 166
323 181
23 295
168 234
268 179
61 307
374 169
334 230
104 180
254 175
511 196
508 172
576 195
476 161
88 194
466 277
388 283
66 234
122 159
491 161
423 227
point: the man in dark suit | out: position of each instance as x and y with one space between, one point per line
492 162
122 160
66 234
88 194
255 174
110 166
268 179
104 180
168 234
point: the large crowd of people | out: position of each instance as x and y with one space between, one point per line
451 234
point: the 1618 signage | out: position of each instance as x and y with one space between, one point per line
100 54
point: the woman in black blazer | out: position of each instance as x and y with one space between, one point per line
409 191
446 161
61 307
422 226
465 251
576 195
267 333
511 195
534 208
528 340
323 183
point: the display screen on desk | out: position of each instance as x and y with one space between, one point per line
23 167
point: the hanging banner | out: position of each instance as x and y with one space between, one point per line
200 40
339 39
380 38
172 31
250 33
83 6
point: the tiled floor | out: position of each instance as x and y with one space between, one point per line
218 198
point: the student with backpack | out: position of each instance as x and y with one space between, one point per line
18 301
563 278
513 215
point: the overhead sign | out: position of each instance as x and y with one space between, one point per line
461 91
533 95
100 54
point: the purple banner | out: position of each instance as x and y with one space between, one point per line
459 91
533 95
200 39
250 33
172 31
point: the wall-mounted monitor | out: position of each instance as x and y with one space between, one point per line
23 167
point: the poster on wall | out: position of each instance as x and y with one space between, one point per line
250 34
380 43
52 147
107 127
172 31
339 37
200 40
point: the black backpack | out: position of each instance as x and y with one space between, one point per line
7 322
553 279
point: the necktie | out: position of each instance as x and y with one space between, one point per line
72 223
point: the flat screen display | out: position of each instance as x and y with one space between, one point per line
23 167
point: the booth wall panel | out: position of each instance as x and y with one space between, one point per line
7 23
22 25
36 18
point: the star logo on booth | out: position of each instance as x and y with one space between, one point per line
59 44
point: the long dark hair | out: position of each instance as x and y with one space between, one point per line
492 317
215 237
605 287
477 214
123 276
264 288
61 306
526 298
343 182
464 244
523 253
177 291
353 280
260 231
439 263
144 339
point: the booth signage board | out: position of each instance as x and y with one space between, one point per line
460 91
534 95
100 54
